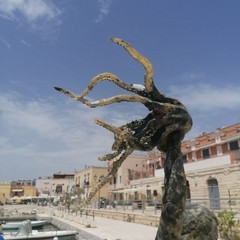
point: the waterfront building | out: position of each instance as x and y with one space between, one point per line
135 180
212 166
5 192
44 186
55 186
87 178
17 191
62 183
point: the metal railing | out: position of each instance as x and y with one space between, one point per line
154 207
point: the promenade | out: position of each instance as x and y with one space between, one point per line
108 229
90 227
97 228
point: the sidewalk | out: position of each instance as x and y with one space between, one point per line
109 229
105 228
117 230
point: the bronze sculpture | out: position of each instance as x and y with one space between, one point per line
164 127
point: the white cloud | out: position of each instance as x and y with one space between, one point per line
205 97
45 120
37 13
43 136
25 43
30 9
210 106
5 42
104 7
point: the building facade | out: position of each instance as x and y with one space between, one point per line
135 179
56 185
17 191
87 178
62 183
212 166
44 186
5 192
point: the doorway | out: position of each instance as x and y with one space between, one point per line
214 195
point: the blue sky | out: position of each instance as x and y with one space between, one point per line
194 47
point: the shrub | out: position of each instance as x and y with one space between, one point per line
228 227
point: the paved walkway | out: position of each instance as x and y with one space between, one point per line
105 229
109 229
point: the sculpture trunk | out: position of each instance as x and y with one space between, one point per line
174 197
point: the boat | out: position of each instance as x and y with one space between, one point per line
16 225
25 232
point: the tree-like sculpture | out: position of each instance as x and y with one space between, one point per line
164 127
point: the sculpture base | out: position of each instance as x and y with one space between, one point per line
199 223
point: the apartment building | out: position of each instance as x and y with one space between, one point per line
5 192
88 178
62 183
212 166
44 186
16 191
137 170
56 185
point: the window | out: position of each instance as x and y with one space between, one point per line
136 196
233 145
206 153
148 194
219 150
121 197
58 189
